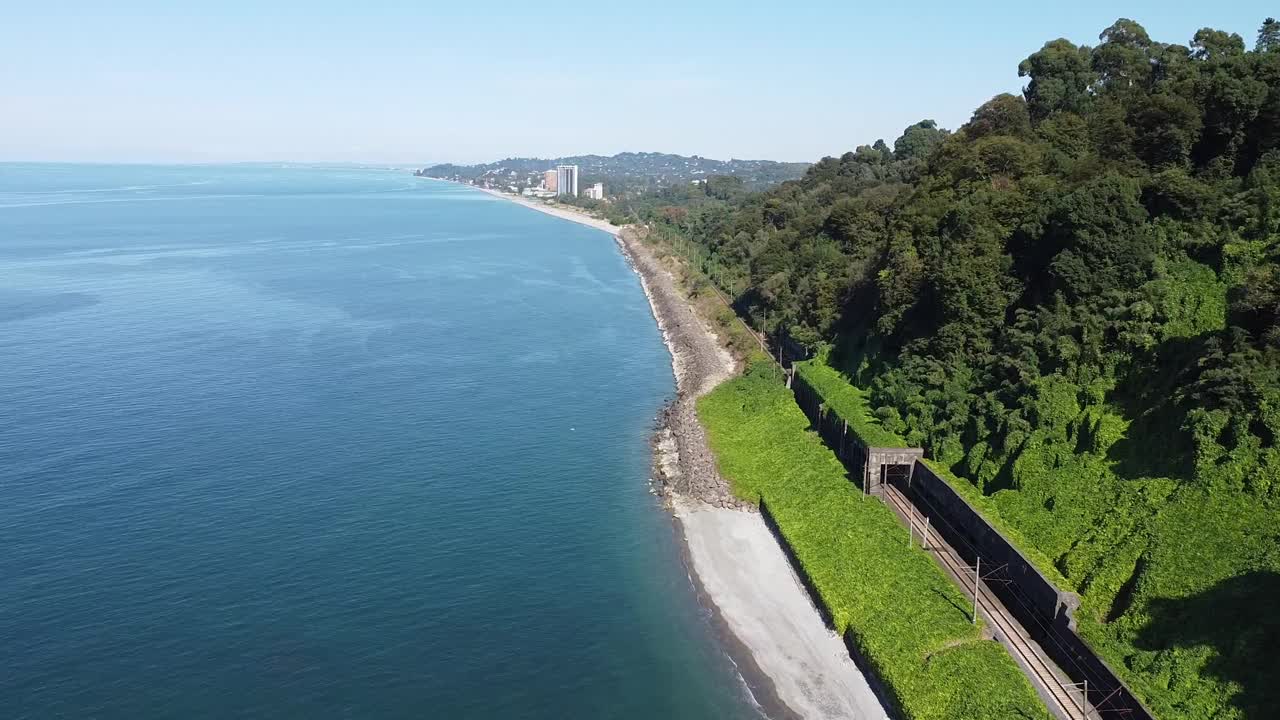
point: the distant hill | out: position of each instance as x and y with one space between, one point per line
623 174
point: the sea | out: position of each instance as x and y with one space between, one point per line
330 442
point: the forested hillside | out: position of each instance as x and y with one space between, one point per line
1072 302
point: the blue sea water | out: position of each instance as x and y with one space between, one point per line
330 443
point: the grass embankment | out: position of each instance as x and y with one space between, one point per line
848 402
902 613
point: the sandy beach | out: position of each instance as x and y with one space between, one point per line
741 568
560 211
795 665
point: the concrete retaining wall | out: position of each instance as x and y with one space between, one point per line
1046 612
831 428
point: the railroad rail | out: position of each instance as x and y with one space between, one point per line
1049 680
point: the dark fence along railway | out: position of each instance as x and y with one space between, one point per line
1046 612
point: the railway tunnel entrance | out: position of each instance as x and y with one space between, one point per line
886 466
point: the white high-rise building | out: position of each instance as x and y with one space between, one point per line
567 180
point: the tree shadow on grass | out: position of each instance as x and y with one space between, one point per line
1156 445
1238 618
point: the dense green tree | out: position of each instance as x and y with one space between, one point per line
872 155
1255 304
1210 44
1122 60
918 140
1268 36
1100 240
1166 130
1060 77
1231 98
1003 114
725 187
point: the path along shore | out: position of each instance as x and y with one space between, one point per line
795 666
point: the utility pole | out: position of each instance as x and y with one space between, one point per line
924 540
1083 687
977 577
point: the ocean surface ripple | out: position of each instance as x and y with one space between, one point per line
319 442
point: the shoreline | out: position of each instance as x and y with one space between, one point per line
793 665
561 211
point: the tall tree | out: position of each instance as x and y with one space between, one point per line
1003 114
1060 75
1122 60
918 140
1210 44
1268 36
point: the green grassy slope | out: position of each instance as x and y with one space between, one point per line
902 613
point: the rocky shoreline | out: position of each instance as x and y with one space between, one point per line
794 666
683 461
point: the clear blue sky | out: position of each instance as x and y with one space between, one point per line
471 81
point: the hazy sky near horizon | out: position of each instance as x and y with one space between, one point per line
429 81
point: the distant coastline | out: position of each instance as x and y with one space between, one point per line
561 211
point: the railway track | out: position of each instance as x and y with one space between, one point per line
1066 704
